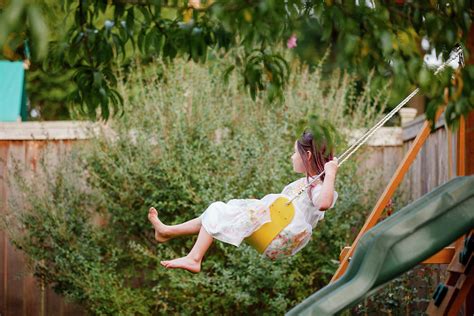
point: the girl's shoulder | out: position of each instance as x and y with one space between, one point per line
294 186
297 182
304 181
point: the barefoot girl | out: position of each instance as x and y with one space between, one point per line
237 219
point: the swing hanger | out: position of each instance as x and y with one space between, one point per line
454 54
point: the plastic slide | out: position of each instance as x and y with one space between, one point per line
12 91
397 244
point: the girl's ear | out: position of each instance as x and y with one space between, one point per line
310 154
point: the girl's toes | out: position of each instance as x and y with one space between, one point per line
153 211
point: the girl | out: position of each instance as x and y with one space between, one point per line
235 220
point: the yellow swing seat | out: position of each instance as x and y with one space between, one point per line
281 213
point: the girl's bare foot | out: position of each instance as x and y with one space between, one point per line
185 263
161 230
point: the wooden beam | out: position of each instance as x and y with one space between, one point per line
461 295
389 190
443 257
462 147
52 130
466 293
459 281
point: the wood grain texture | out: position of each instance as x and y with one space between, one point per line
20 293
3 240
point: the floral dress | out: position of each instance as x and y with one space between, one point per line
237 219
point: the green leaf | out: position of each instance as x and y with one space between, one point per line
149 41
227 73
141 41
424 78
130 21
39 30
386 42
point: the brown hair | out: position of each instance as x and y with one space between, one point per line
320 153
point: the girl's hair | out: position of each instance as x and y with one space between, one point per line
320 153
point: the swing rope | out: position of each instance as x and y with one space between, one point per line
456 53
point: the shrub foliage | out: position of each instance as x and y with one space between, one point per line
192 139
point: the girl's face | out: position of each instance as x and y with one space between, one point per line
297 160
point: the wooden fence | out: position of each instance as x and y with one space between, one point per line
25 143
434 165
20 294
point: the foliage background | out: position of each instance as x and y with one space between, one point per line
192 139
86 39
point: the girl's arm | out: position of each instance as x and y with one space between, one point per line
326 195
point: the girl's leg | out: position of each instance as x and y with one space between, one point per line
192 262
164 232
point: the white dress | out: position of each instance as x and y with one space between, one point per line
237 219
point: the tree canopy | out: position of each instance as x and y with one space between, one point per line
363 36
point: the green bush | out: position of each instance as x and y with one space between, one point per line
190 139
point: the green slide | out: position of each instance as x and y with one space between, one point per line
397 244
12 91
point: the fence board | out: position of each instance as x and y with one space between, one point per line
3 240
32 295
14 293
431 155
15 260
31 289
391 159
431 168
54 304
443 152
20 293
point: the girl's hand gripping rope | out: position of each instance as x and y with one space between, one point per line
330 167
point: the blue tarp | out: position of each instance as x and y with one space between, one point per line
12 91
